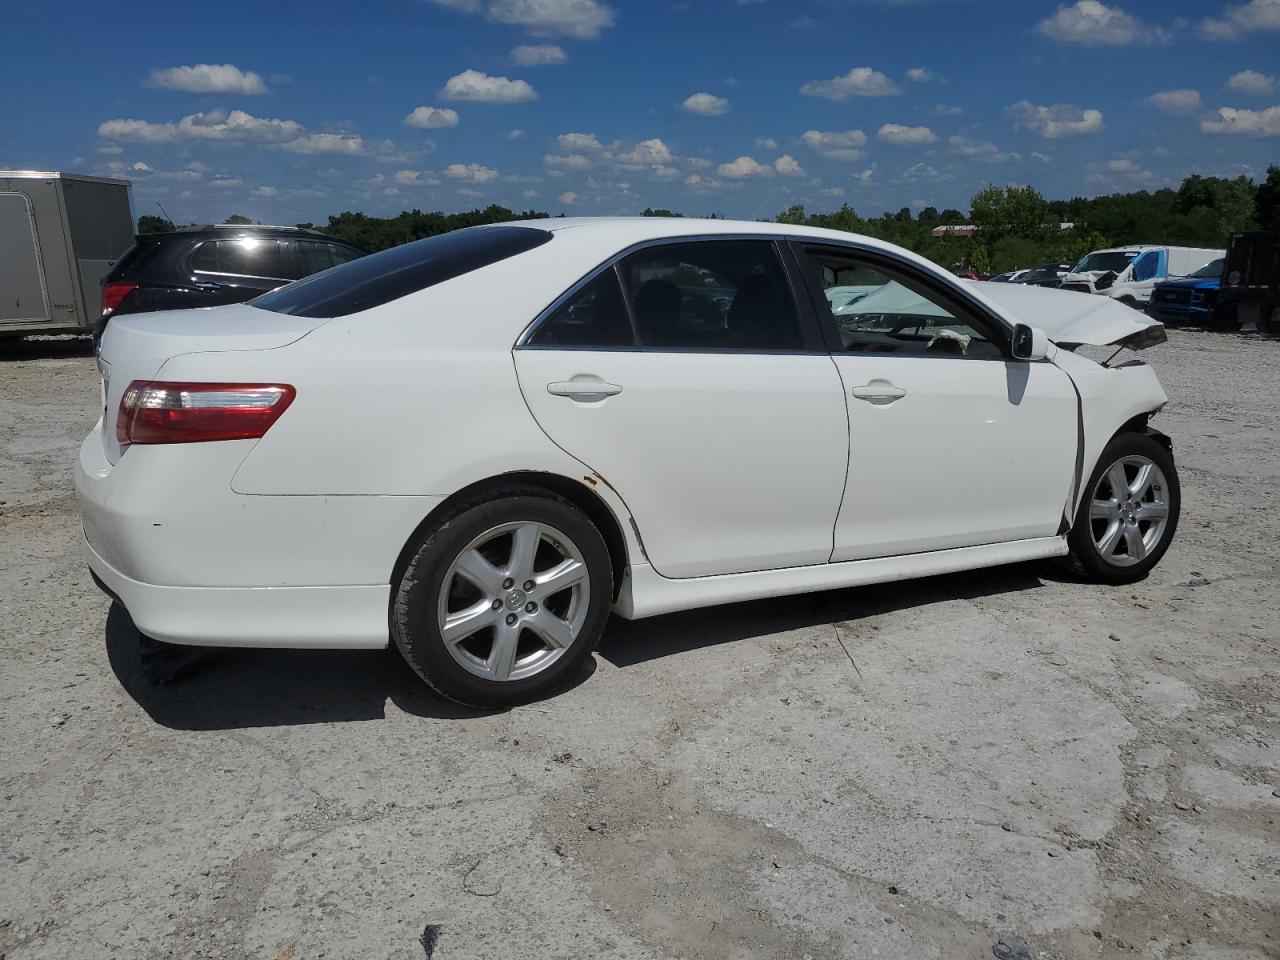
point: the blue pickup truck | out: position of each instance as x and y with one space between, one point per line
1190 299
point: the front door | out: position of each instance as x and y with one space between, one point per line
952 442
685 377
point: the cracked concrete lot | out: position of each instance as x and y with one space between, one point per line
1092 771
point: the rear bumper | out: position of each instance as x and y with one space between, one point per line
337 618
195 562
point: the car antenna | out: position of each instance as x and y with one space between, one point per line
166 213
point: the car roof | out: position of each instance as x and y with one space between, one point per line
624 231
244 228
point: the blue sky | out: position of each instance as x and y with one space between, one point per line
287 112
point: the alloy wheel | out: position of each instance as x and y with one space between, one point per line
1129 512
513 601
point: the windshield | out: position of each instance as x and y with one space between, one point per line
1211 269
1115 260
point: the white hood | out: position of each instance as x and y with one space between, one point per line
1069 318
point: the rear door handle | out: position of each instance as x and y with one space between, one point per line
583 390
878 391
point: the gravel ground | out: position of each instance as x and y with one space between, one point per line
1012 763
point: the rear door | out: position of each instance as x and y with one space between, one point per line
952 442
236 269
686 378
22 289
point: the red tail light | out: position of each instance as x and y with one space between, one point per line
113 293
153 411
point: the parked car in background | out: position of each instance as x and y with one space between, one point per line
1192 299
211 266
1009 276
1045 275
1251 280
1128 274
478 445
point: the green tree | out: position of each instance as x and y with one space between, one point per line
1010 211
237 218
659 212
1266 205
150 223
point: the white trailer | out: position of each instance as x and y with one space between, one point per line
59 234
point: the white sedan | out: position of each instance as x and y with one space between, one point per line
479 445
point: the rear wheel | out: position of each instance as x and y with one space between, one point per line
1129 513
504 599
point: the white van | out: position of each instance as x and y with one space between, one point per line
1128 273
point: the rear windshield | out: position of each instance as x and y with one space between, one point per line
1211 269
1111 260
137 255
382 277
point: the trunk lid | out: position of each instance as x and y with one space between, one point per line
136 346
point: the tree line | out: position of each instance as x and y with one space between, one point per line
1014 226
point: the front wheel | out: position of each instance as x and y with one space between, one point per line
504 599
1127 518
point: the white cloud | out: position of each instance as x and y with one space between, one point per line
743 167
1094 24
864 177
570 18
472 172
702 163
767 143
325 143
1251 81
569 198
207 78
665 172
578 141
646 153
432 118
897 133
858 82
1122 165
980 150
943 110
700 184
1042 157
705 105
1175 101
1054 122
569 161
838 145
1256 15
109 149
1244 123
139 166
415 178
479 87
921 75
538 54
516 135
530 194
923 171
224 182
832 191
264 191
787 166
213 125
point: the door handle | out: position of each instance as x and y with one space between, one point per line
879 392
583 390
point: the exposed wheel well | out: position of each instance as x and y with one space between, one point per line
576 493
1142 424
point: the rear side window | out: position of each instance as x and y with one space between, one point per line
241 257
711 295
313 256
382 277
593 317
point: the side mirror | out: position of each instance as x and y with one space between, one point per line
1106 281
1029 343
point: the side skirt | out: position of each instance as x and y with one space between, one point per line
646 594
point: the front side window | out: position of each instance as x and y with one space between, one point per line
711 295
1146 266
876 310
241 257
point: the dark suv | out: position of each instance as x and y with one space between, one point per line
212 265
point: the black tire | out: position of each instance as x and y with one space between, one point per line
1085 559
415 626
